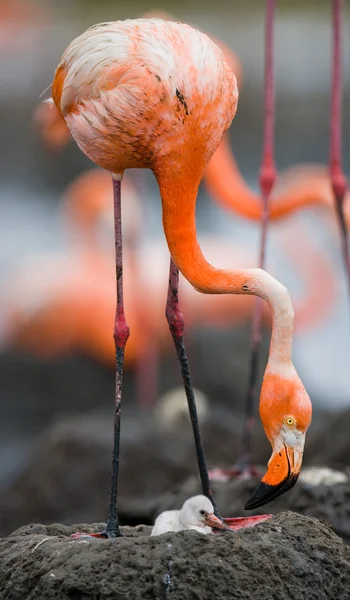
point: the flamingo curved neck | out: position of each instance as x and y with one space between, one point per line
179 206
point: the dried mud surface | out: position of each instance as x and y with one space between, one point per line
288 557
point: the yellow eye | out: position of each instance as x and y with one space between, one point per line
290 421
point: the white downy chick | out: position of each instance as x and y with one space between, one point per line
197 513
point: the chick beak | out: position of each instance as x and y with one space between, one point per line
214 522
282 474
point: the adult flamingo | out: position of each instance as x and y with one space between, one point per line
142 94
296 187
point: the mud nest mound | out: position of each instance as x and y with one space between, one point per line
329 503
67 477
288 557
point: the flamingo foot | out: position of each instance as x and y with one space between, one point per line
103 535
235 523
242 469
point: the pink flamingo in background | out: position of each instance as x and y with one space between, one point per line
52 127
297 187
61 303
64 303
16 16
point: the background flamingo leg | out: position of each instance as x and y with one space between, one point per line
337 176
176 325
244 465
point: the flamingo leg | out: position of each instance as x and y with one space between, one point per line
244 464
249 420
338 179
121 334
176 325
267 180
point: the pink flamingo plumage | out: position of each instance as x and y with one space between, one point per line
142 94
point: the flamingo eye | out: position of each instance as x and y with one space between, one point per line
290 421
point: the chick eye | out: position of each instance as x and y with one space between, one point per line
290 421
202 512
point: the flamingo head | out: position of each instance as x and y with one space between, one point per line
285 411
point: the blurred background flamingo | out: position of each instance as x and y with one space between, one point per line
16 19
299 186
59 304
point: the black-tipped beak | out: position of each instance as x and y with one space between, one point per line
282 474
264 493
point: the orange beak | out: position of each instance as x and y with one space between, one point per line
282 474
214 522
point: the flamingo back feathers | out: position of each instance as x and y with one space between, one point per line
133 92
